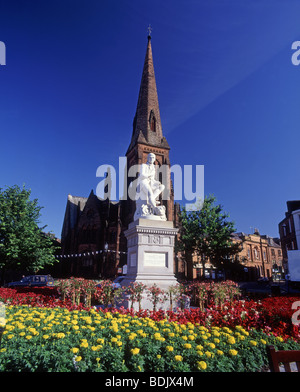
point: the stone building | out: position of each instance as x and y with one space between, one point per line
289 230
260 257
93 241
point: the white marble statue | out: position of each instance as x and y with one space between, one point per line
148 190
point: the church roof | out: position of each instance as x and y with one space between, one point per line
75 205
147 127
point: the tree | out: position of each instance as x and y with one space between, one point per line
206 232
23 244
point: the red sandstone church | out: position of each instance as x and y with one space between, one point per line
93 241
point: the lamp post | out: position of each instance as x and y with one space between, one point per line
105 255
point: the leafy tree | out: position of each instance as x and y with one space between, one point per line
206 232
23 245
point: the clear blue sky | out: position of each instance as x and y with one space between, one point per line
229 97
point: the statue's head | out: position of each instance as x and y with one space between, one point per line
151 157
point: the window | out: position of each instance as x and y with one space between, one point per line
290 225
284 230
152 121
272 252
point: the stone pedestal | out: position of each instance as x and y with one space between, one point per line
150 256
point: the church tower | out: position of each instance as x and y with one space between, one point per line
147 136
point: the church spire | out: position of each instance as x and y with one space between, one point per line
147 127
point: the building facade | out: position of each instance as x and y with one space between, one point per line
260 257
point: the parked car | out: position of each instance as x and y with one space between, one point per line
33 280
117 282
263 280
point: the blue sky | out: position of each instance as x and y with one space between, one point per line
228 92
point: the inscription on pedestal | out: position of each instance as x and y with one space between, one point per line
155 259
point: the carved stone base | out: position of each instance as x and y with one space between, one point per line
150 256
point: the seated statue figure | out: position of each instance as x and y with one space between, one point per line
148 188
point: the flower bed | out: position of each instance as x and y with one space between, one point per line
58 339
272 314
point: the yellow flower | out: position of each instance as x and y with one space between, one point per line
169 348
279 338
28 337
201 365
114 340
78 358
208 354
233 352
45 336
100 340
231 340
263 341
253 343
178 358
191 337
187 345
22 333
84 344
10 336
158 356
220 352
135 351
74 350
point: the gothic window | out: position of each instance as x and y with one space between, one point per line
284 230
152 121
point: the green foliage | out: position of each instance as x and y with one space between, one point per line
23 245
207 233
